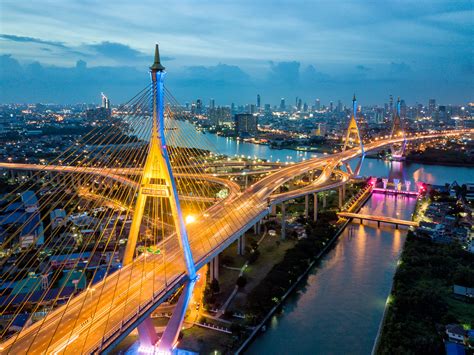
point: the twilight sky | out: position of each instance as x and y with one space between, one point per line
68 51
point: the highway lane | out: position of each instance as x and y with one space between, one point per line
117 174
222 225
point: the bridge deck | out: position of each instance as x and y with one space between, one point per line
383 219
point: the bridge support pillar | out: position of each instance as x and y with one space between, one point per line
241 245
214 268
378 224
341 197
147 334
306 206
325 202
171 334
283 221
315 207
256 228
246 181
274 210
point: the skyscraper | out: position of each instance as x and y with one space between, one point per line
258 101
198 106
282 104
318 105
245 125
212 103
105 101
431 106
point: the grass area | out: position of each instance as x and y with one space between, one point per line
206 341
227 277
272 251
461 311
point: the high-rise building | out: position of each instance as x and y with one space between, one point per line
245 125
299 104
198 106
218 115
282 104
391 105
431 106
318 104
403 109
258 101
212 103
443 114
339 106
252 108
331 107
105 102
305 107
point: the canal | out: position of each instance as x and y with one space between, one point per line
339 307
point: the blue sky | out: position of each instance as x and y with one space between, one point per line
232 50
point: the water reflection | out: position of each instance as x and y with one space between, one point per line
345 296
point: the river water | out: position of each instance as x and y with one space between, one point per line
431 174
339 308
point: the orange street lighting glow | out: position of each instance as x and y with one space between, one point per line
190 219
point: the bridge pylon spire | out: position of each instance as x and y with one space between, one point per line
158 181
398 131
353 133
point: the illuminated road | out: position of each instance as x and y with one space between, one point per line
119 175
104 314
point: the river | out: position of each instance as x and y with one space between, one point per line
430 174
339 308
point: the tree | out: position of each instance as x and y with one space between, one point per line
215 288
241 281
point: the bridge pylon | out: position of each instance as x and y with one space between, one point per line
158 182
353 137
398 131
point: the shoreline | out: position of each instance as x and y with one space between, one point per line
424 162
257 329
305 273
387 304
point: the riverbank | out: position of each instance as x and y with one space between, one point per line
422 302
282 300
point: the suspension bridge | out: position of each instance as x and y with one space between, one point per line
145 162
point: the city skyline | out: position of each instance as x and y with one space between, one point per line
319 50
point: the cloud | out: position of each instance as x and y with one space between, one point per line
287 73
115 50
24 39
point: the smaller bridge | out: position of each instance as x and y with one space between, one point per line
378 219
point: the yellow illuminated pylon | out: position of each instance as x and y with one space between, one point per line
157 180
353 133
